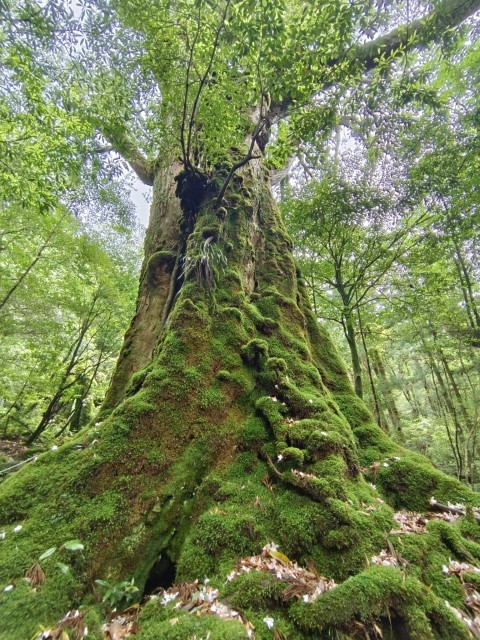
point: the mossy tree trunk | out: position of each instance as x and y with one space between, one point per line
162 246
235 425
349 330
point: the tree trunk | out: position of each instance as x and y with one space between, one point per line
369 371
467 287
242 430
386 389
162 244
349 330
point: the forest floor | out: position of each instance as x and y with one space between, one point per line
12 451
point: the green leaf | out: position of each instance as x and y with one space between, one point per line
64 568
103 583
47 553
73 545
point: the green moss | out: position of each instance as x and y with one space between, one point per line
168 623
296 523
272 410
262 323
277 365
24 609
353 409
254 590
189 467
469 528
427 554
212 398
380 591
293 456
232 313
410 482
161 259
254 432
219 535
255 352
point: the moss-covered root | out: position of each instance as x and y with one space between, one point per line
407 607
166 623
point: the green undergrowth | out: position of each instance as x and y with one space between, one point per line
242 431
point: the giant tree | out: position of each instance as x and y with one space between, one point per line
230 423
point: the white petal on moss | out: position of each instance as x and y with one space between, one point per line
9 588
269 622
168 597
17 528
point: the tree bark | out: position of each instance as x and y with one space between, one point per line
162 247
381 373
369 371
349 330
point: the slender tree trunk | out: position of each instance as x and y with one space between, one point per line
369 371
453 440
465 296
408 391
381 373
468 283
349 330
451 410
55 403
28 269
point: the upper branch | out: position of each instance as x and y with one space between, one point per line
414 35
123 145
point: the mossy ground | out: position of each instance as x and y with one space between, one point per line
243 430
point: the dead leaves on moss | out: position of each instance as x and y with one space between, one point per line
454 511
414 522
267 483
34 575
472 596
473 624
200 599
390 558
300 583
71 627
122 625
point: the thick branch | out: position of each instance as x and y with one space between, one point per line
415 35
122 144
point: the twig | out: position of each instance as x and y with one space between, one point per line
19 464
451 509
